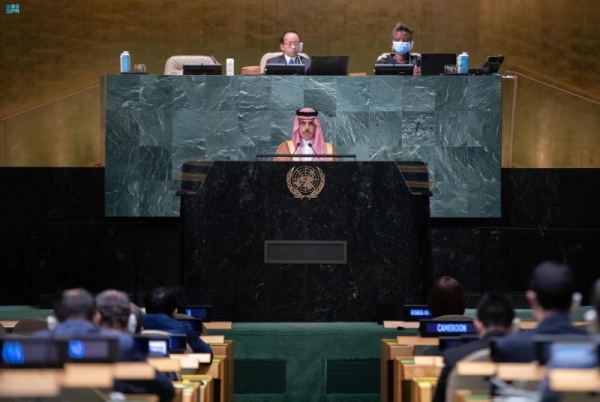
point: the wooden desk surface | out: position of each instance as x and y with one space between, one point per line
574 380
505 371
416 340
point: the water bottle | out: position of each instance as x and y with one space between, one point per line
125 62
462 63
229 68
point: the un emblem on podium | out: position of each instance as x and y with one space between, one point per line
305 181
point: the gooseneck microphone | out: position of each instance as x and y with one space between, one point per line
311 147
296 150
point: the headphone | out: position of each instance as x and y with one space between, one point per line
52 322
131 323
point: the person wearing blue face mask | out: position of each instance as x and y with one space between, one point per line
402 44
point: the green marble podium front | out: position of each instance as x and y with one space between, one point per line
154 123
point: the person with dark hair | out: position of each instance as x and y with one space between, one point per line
116 315
161 310
495 314
290 45
402 44
77 315
447 297
550 294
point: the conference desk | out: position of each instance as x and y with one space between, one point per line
154 123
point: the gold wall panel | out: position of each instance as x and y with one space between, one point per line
62 133
53 49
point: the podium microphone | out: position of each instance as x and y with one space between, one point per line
311 148
296 150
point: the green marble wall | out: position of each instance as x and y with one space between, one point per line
155 123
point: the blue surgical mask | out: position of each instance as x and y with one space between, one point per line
402 47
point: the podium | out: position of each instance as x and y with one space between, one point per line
304 241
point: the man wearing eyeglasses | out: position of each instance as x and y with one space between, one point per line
290 45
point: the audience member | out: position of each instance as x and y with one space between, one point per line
446 298
495 315
116 315
161 310
550 293
137 312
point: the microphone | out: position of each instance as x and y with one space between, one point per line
311 148
296 150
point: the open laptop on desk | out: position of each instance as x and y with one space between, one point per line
433 63
284 69
329 65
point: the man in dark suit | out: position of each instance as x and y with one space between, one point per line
161 309
495 314
76 315
290 45
550 295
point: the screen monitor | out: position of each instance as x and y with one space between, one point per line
394 69
201 311
416 312
91 350
284 69
329 65
433 63
202 69
26 352
151 345
177 343
543 344
582 354
435 328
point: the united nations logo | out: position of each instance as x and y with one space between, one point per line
305 181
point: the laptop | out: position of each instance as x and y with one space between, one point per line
202 69
284 69
433 63
329 65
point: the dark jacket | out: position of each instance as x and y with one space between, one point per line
519 347
281 60
161 385
163 322
453 355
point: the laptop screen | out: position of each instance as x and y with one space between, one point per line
202 69
329 65
433 63
284 69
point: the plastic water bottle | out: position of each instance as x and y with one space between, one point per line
462 63
229 68
125 62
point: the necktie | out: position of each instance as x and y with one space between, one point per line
291 61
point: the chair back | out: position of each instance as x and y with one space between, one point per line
174 64
28 326
270 55
456 382
2 330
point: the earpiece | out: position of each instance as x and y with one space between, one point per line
131 323
52 322
590 317
516 325
575 304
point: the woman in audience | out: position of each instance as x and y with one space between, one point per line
446 298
